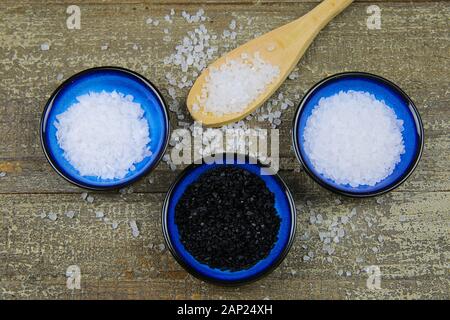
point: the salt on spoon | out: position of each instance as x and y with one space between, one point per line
281 48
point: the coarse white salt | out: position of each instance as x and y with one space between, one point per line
45 46
236 84
353 138
103 134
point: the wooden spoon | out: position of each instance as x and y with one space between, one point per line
283 47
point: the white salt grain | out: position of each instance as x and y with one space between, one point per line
134 228
353 138
236 84
45 47
70 214
52 216
99 214
103 134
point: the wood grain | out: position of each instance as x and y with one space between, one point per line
412 49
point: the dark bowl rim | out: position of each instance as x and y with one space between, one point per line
49 105
412 107
198 275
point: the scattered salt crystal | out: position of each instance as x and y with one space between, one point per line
84 195
103 134
2 174
45 46
306 258
232 24
99 214
70 214
59 76
353 138
114 225
156 23
43 215
52 216
149 21
104 47
245 78
134 228
90 199
293 75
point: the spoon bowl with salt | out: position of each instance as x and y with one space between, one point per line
256 69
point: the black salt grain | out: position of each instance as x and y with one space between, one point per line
227 219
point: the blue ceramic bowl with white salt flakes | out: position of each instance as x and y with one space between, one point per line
106 79
382 89
284 205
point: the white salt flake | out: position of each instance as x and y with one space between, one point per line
52 216
2 174
45 46
134 228
70 214
99 214
114 225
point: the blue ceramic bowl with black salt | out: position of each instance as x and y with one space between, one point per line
284 206
107 79
383 90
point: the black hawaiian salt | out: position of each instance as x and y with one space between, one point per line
227 219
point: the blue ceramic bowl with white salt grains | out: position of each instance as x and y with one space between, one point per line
358 134
216 267
104 128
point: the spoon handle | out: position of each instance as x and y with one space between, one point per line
325 12
299 34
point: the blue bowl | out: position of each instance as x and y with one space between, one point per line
284 205
105 79
382 89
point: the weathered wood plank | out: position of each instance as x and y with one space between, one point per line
413 255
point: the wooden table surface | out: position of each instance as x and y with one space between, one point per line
404 233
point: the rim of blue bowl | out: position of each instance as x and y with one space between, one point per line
192 270
49 105
412 107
